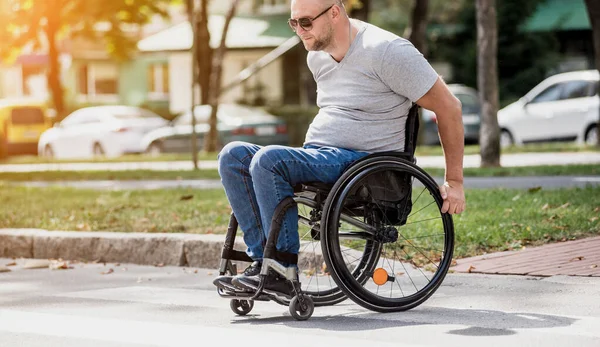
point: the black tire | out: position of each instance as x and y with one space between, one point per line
241 307
48 152
422 253
591 136
506 138
302 311
155 149
3 147
315 276
97 150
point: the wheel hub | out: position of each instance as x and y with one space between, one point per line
387 234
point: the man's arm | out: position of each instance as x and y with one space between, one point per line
447 109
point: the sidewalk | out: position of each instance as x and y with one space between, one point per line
473 160
572 258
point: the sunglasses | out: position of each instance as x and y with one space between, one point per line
305 23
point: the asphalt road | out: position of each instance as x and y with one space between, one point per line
546 182
171 306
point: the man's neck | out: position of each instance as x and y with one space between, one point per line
342 42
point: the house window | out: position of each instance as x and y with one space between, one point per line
98 81
272 6
158 81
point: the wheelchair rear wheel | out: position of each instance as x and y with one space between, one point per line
392 207
314 275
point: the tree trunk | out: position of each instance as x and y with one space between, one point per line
593 8
487 82
211 141
53 57
362 12
205 52
418 31
191 10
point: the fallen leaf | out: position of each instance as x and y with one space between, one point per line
37 264
399 273
118 264
60 265
160 265
593 266
195 271
186 197
545 207
577 258
210 273
534 189
4 269
597 209
593 219
565 205
109 271
83 227
11 264
471 268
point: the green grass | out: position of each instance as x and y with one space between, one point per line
108 175
421 151
495 220
528 148
130 158
555 170
55 208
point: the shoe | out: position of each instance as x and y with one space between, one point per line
275 284
251 271
224 283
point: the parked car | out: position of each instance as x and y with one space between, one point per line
562 107
471 111
234 123
21 124
99 131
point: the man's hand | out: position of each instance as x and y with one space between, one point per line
453 194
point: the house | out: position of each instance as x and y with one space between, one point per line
570 22
258 28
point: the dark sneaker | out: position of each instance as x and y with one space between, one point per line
224 282
275 284
251 271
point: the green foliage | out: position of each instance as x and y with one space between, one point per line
115 22
297 119
524 58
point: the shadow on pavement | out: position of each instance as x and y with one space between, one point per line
479 322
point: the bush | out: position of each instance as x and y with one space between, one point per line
297 118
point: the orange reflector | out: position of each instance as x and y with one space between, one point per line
380 276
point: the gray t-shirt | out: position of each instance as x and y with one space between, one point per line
365 98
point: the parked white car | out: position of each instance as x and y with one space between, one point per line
108 131
563 107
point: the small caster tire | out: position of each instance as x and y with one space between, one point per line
241 307
302 311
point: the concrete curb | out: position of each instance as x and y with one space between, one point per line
191 250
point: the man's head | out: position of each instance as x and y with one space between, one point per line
316 22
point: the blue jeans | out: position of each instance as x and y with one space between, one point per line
257 178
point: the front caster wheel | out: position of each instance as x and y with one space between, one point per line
301 309
241 307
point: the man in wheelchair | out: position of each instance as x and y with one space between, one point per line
367 81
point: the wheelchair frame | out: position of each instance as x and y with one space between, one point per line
301 306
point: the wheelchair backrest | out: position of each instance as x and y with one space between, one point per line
411 130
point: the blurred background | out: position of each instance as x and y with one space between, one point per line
65 61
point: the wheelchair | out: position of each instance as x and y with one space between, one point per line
376 236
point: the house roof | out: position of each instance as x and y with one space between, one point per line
244 32
559 15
